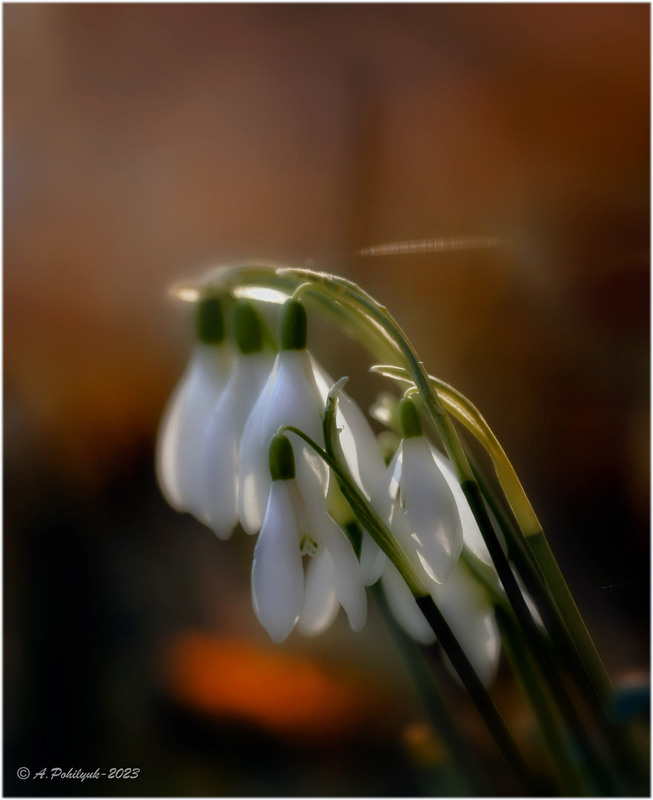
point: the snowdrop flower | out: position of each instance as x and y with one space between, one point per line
417 503
468 611
424 505
404 607
251 369
472 536
296 394
360 447
282 595
182 434
290 397
466 608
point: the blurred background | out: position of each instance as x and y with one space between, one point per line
143 143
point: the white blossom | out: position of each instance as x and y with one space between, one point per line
281 594
181 445
290 397
220 469
468 611
418 506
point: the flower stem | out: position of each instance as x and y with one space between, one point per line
533 535
432 699
531 532
378 331
532 634
478 693
573 780
459 660
626 750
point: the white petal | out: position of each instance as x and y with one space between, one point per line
469 614
404 606
182 437
430 510
372 560
250 375
385 501
384 496
253 468
348 578
290 397
472 535
204 391
277 571
359 445
168 445
320 600
220 499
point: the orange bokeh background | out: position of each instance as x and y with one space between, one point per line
143 143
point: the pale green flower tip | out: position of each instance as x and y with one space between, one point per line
248 331
411 424
293 325
282 459
209 320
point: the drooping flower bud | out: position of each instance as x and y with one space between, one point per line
292 526
417 503
251 369
290 397
182 434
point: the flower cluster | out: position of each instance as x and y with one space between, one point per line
228 454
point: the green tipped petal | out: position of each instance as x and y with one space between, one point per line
411 424
209 320
248 332
282 459
292 332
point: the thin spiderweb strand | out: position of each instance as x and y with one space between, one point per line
431 246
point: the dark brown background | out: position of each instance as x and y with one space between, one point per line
143 142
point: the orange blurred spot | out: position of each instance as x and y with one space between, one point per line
422 744
276 690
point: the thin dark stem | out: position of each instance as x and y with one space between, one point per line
434 704
571 775
478 694
566 651
528 626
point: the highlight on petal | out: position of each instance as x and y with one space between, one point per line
168 446
290 397
220 479
277 570
430 510
385 495
347 572
182 436
404 607
472 535
469 614
220 476
372 560
253 469
320 599
249 377
385 500
359 444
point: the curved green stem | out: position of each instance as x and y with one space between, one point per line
467 414
366 515
373 325
461 664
